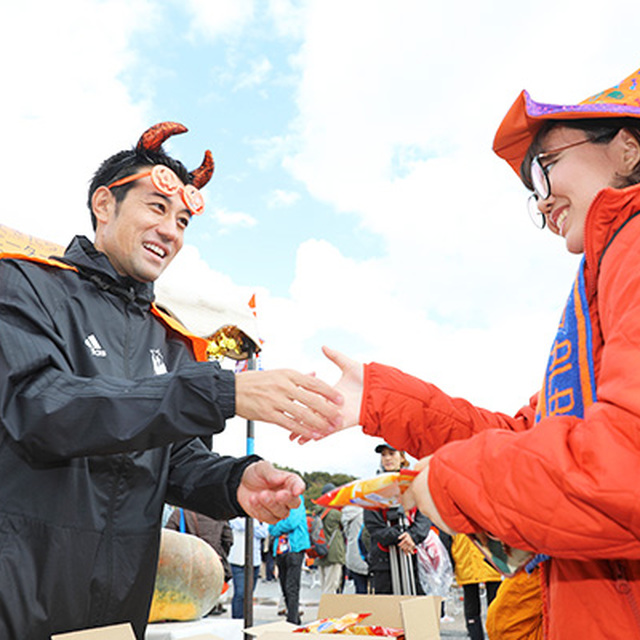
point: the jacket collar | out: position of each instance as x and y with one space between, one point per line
95 266
610 210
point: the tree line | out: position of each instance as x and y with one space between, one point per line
315 480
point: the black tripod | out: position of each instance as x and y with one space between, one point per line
403 579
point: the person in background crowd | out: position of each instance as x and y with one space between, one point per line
472 570
393 527
268 560
331 566
352 519
237 560
291 540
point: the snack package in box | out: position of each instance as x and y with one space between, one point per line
380 492
333 625
348 624
374 630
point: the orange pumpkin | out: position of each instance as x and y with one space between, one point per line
189 579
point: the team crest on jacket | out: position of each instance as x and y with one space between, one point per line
157 360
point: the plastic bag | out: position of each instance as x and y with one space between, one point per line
435 570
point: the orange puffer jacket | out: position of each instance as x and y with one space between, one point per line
569 487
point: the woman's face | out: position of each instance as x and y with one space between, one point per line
576 175
390 460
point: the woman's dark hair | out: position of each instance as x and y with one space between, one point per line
598 130
126 163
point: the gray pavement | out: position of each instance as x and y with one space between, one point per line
267 603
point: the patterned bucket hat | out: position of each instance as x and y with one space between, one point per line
525 117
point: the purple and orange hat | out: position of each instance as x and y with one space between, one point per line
526 116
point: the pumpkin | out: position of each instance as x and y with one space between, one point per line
189 579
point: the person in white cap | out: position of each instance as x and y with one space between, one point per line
393 527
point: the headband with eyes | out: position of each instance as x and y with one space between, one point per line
152 139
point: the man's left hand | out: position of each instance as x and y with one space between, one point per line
267 494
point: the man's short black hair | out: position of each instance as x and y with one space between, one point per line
126 163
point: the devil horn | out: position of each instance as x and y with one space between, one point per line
203 173
153 137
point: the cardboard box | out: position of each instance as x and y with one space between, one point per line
113 632
120 632
203 629
419 616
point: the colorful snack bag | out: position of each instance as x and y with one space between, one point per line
380 492
375 630
333 625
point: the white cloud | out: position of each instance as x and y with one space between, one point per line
288 17
279 198
256 76
214 18
229 221
62 65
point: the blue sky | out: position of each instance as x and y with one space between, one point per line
355 189
240 89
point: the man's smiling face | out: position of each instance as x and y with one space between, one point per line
143 233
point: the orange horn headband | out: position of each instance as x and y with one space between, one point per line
153 138
202 175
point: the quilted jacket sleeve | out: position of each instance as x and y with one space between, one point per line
417 417
570 487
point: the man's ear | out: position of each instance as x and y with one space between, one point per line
630 151
103 204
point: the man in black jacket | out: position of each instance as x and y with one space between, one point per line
104 406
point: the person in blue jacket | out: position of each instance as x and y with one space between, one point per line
291 540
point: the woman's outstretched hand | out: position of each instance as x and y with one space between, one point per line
349 388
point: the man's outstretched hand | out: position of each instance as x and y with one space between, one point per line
267 494
303 404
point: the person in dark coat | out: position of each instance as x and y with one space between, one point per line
393 527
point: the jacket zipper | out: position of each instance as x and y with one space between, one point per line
622 586
127 342
118 466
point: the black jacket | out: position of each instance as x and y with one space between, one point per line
385 528
101 410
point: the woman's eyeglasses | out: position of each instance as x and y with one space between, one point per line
541 184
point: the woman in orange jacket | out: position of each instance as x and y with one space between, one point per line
561 479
